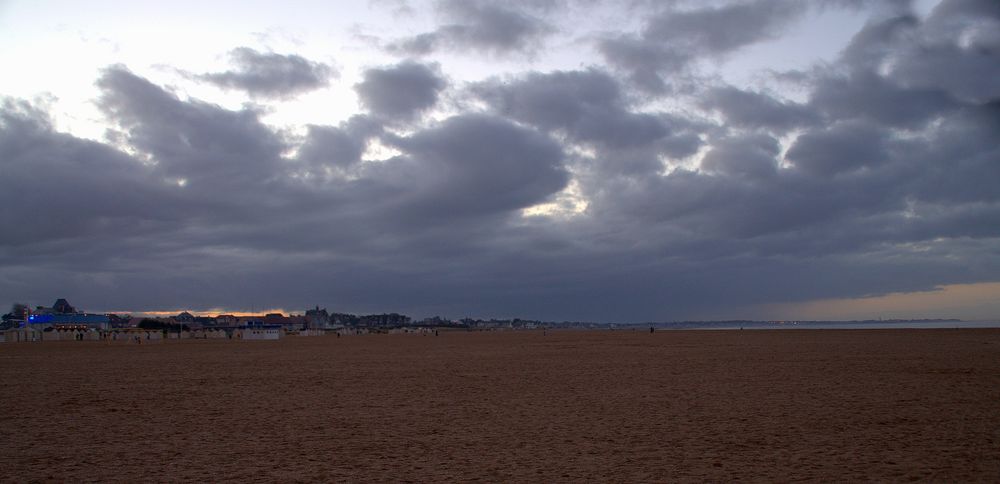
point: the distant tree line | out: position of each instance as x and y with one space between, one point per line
156 324
18 312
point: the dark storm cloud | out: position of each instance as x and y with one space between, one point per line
479 26
399 93
270 75
673 39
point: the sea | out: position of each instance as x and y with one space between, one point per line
872 324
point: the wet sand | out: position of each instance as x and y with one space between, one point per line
884 405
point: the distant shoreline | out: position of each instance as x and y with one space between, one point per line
805 325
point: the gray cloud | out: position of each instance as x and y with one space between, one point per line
270 75
958 161
473 165
748 156
398 7
418 45
719 30
401 92
841 148
673 39
957 51
479 26
589 106
202 143
52 174
869 47
430 231
340 147
867 95
964 11
903 72
644 61
857 184
754 109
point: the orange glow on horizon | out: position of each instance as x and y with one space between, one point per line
211 313
980 301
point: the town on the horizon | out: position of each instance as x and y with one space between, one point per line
63 317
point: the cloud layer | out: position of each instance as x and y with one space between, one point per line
556 194
269 75
487 27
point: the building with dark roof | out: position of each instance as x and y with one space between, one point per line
62 306
62 315
317 318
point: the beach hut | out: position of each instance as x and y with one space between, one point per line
259 332
20 335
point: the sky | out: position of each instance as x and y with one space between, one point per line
587 160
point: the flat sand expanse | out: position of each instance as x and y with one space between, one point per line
883 405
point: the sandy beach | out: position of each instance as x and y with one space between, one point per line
883 405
